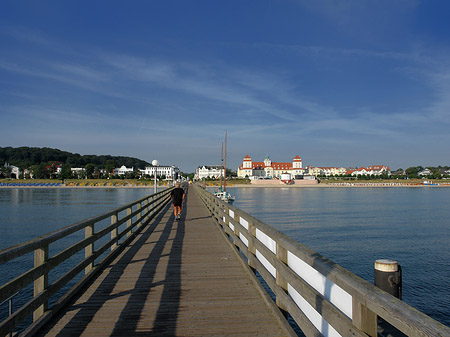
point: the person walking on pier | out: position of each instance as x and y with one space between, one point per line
177 196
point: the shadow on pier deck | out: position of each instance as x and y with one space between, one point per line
177 278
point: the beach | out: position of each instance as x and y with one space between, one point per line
252 184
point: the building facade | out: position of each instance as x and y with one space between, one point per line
375 170
170 172
15 172
268 169
123 170
209 172
326 171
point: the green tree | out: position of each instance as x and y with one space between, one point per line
412 172
90 168
40 171
66 172
109 166
5 172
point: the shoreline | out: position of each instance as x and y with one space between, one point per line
334 185
231 185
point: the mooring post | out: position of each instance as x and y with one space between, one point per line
388 276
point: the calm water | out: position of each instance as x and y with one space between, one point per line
28 213
355 226
351 226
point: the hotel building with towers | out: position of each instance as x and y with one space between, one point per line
268 169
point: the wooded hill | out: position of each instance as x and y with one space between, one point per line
26 157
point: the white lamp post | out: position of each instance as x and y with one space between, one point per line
155 163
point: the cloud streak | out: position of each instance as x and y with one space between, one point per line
268 92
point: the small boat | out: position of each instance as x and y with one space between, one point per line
221 192
224 195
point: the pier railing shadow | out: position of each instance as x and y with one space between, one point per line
126 222
323 298
132 310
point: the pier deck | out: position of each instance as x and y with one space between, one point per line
175 279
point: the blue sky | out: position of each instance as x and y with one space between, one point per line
339 83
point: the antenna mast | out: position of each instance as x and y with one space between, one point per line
225 171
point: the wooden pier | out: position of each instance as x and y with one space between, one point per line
155 276
175 278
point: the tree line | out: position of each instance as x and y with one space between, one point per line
42 162
435 172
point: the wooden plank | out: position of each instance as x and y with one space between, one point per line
176 278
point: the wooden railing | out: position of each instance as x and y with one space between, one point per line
322 297
125 221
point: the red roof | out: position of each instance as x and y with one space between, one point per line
259 165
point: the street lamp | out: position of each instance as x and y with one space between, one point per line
155 163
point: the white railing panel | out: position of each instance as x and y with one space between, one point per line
231 226
243 222
328 289
314 317
266 241
243 239
231 213
270 268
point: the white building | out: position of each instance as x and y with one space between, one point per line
326 171
15 171
269 169
78 171
425 173
209 172
170 172
123 170
375 170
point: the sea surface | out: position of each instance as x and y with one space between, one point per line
351 226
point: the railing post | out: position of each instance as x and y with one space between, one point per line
225 216
115 231
146 210
237 232
139 215
129 222
40 284
251 244
281 254
153 205
364 319
89 250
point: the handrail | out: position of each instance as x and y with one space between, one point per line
321 296
138 215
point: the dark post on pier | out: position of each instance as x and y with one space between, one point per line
218 271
